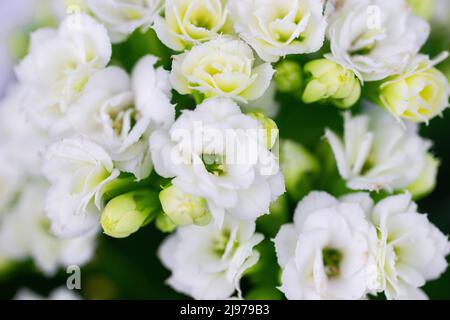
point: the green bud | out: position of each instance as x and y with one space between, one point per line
426 182
164 223
126 213
288 77
299 166
422 8
269 126
184 209
329 80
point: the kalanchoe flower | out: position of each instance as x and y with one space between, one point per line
418 94
58 66
411 250
278 28
127 213
219 154
327 253
25 233
122 17
223 67
208 262
376 153
184 209
374 38
78 170
327 80
119 114
184 24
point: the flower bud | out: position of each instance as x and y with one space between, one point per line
288 76
299 166
329 80
419 94
269 126
164 224
184 209
128 212
422 8
426 182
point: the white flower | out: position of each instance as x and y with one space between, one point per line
78 170
418 94
327 252
11 180
375 38
152 90
185 24
121 122
208 262
17 130
59 64
122 17
222 67
278 28
220 154
376 153
61 293
411 249
25 232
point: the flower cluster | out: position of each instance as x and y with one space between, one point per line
188 142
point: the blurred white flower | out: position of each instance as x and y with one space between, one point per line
122 17
16 17
374 38
25 232
208 262
220 154
58 66
376 153
78 170
17 131
278 28
327 253
222 67
185 24
57 294
411 249
16 163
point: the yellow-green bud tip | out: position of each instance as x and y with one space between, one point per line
422 8
126 213
269 126
184 209
328 80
